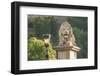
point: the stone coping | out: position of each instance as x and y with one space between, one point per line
70 48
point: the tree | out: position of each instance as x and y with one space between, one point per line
44 25
37 49
81 40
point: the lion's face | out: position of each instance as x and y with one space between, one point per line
65 33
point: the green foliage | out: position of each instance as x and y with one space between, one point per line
49 25
79 22
36 50
40 24
81 40
44 25
30 34
51 53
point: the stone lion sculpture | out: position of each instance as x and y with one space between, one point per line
66 36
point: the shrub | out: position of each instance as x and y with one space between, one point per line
37 49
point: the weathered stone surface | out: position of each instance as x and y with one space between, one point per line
66 36
67 48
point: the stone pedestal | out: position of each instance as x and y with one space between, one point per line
67 52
